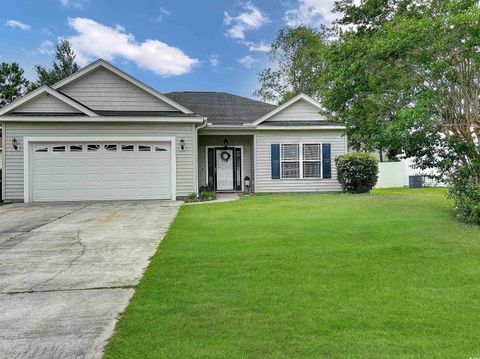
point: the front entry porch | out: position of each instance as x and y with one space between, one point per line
225 162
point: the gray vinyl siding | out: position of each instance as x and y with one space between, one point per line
263 180
104 90
299 111
14 159
217 141
46 103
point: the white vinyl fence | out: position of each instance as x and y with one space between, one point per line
395 174
391 174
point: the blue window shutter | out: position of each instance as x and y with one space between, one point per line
326 161
275 161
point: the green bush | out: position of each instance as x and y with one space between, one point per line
192 197
207 193
357 172
464 189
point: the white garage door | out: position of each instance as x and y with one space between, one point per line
100 171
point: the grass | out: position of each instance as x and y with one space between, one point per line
387 275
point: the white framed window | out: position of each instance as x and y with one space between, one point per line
300 160
60 148
144 148
76 148
312 160
127 148
290 160
93 148
110 148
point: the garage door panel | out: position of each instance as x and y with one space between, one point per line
103 174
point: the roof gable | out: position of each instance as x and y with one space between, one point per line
46 100
102 86
299 108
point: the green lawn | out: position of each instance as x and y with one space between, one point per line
387 275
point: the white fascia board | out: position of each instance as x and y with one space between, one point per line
102 63
290 102
265 128
108 119
294 128
47 90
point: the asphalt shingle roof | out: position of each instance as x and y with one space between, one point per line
222 108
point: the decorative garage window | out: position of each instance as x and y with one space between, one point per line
290 160
93 148
144 148
58 148
312 160
40 148
110 148
76 148
128 148
159 149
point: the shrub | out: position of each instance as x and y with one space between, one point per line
464 189
192 197
357 172
207 193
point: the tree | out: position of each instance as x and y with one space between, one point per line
13 83
63 66
420 62
297 57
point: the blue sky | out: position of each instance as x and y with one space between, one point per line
172 45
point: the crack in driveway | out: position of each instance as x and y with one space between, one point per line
63 270
64 285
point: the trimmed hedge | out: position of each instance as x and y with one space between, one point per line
357 172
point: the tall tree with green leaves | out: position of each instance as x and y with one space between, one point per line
412 70
13 83
296 55
63 66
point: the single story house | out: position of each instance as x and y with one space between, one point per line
101 134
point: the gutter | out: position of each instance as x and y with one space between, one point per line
87 119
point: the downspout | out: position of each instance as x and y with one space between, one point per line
195 156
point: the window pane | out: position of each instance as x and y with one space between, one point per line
41 149
76 148
127 147
290 170
92 148
311 152
58 148
144 148
311 169
158 149
111 148
290 152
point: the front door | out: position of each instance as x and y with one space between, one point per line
225 164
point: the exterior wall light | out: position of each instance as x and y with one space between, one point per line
182 144
225 142
15 144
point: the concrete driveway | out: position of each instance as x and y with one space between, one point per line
68 270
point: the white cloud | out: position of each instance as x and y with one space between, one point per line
73 3
17 25
311 12
97 40
251 19
47 48
262 46
214 60
163 13
247 61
